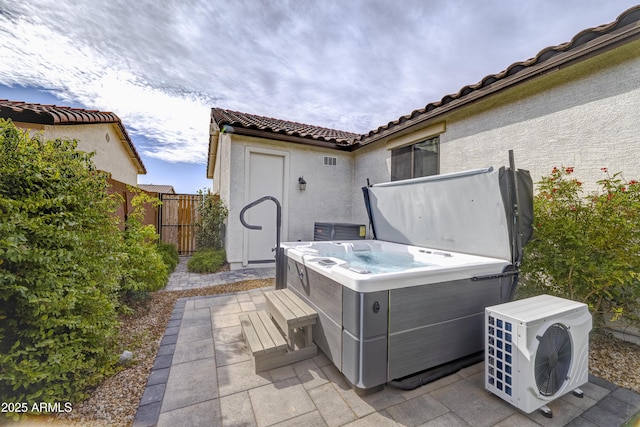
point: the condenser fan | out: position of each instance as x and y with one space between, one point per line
553 359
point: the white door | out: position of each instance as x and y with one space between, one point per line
266 172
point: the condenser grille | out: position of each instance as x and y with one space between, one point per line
553 359
499 355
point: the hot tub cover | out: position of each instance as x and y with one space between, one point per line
482 212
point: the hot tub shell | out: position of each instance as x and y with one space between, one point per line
468 230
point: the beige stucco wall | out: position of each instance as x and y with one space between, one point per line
111 155
587 116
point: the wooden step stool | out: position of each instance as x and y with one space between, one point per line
271 347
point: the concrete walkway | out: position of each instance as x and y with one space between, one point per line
181 279
203 376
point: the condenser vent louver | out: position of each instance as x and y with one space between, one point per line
536 350
330 161
338 231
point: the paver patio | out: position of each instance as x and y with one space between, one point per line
203 376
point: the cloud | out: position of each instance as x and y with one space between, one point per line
36 55
351 65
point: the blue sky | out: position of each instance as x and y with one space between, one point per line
350 65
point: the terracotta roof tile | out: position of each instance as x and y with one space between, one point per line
53 114
45 114
240 120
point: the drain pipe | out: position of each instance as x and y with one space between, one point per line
437 373
280 261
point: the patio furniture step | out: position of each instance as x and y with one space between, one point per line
293 316
261 334
268 347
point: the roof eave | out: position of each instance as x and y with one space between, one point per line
289 138
131 149
214 132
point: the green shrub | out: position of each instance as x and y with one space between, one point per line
207 260
59 272
169 254
212 213
143 268
587 248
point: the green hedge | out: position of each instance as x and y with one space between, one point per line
143 268
207 260
169 254
66 268
586 246
59 270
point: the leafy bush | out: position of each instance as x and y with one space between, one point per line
207 260
143 268
587 248
213 213
59 273
169 254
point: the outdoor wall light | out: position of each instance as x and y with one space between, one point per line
302 183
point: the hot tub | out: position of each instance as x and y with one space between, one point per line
414 297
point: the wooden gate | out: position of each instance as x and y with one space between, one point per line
178 219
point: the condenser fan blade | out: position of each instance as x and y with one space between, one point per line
553 359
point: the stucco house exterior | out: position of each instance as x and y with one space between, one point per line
96 131
576 104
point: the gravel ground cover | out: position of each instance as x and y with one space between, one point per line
115 402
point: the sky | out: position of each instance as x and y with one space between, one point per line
352 65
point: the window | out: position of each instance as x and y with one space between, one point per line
416 160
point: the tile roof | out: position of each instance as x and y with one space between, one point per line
153 188
288 130
45 114
53 114
625 28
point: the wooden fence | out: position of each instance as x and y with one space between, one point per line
124 208
178 219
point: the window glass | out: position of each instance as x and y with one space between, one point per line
425 158
413 161
401 163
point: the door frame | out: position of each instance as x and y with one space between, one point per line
284 229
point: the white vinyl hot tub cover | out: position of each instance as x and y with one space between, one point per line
458 212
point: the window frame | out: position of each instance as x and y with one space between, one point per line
413 149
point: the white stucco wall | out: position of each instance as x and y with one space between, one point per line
372 162
586 116
111 156
327 196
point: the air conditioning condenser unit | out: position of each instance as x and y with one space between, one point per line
536 350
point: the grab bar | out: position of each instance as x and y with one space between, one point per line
280 280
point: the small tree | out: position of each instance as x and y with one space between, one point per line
213 213
587 248
143 269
